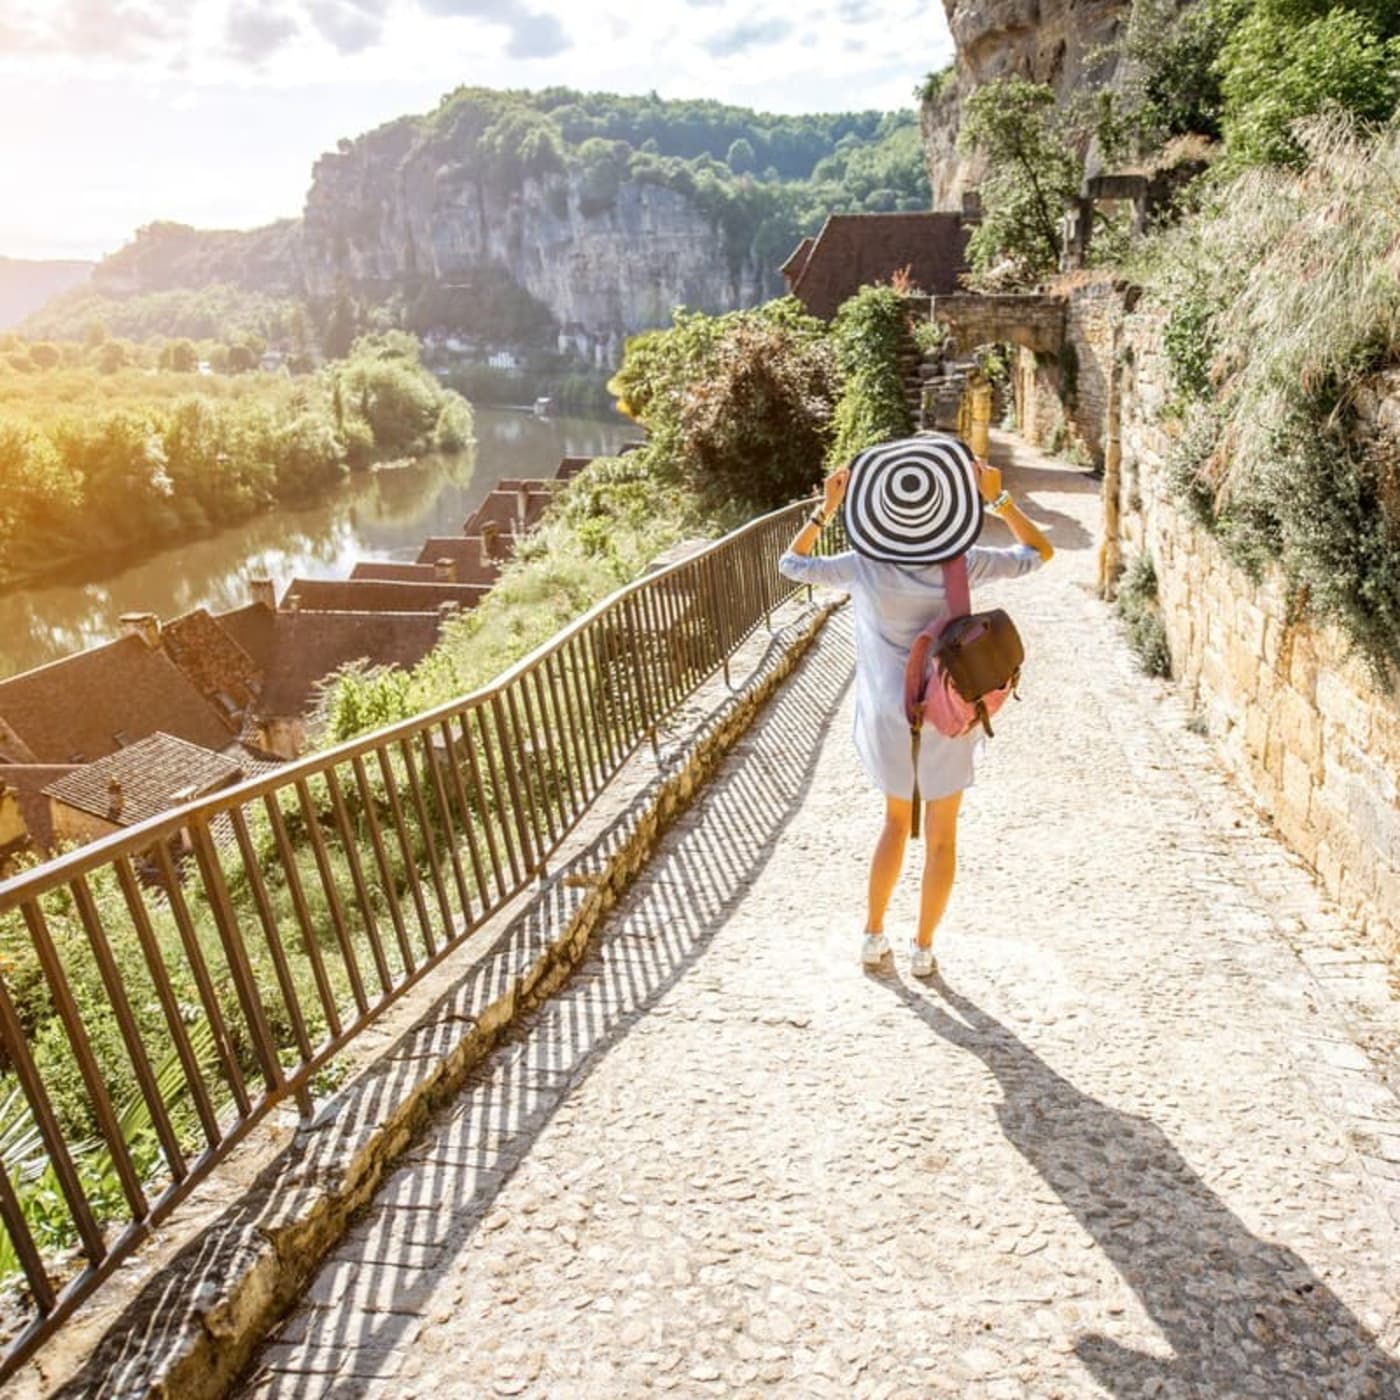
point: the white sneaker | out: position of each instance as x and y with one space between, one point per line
922 963
874 949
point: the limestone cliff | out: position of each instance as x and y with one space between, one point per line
1059 42
392 212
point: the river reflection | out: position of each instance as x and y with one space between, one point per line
380 515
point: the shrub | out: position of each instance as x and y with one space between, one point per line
1137 605
738 406
1277 68
867 334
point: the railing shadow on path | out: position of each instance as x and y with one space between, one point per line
1243 1315
369 1300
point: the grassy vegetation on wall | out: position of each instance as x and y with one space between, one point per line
1283 301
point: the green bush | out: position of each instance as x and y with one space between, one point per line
1137 605
738 406
1283 63
867 335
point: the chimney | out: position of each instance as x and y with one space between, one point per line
447 610
522 504
263 592
292 603
144 625
115 798
444 571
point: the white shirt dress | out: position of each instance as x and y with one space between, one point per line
892 604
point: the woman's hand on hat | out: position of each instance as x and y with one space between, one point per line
988 479
834 490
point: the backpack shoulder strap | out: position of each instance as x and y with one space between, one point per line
955 581
916 673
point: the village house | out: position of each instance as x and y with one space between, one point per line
135 784
92 704
858 250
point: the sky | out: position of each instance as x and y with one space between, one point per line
114 113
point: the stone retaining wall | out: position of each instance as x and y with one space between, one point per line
1301 726
1064 400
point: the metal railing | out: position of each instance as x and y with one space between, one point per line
167 986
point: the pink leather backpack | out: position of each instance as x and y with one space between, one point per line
961 669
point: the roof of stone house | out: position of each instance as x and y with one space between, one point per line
856 250
570 467
797 259
223 672
378 595
28 781
503 507
530 483
467 555
306 647
392 571
253 628
86 706
156 774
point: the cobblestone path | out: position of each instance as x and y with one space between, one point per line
1140 1138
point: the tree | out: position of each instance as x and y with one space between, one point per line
45 355
179 356
741 159
241 359
1032 171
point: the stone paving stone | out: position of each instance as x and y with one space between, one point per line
1136 1139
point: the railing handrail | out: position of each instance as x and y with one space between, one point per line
41 879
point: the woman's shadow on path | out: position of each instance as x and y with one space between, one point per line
1242 1315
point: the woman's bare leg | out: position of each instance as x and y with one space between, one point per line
887 861
940 863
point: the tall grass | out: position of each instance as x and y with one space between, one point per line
1283 300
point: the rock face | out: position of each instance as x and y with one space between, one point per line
391 211
1059 42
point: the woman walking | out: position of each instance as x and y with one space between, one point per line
912 506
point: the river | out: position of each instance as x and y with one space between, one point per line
375 515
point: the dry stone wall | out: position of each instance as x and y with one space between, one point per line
1302 726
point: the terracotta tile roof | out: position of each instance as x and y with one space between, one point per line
797 260
389 571
855 250
220 669
252 627
467 555
28 781
378 595
503 507
89 705
154 775
530 483
306 647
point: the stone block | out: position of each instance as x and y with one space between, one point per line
1293 815
1341 706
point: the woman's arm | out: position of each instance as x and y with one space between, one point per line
1000 504
833 492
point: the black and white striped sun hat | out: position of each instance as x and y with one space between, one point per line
913 501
